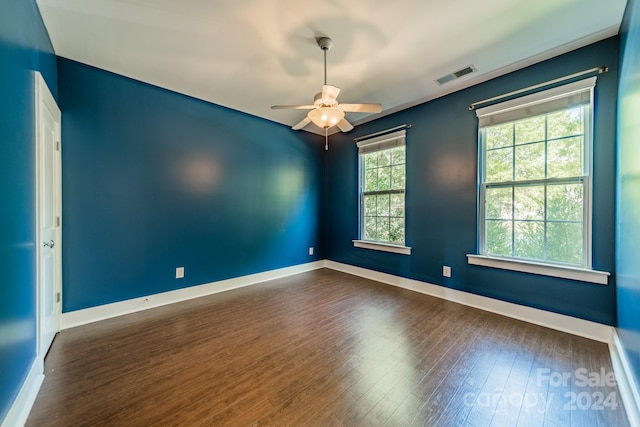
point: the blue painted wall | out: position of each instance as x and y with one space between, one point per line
628 220
24 47
153 180
441 194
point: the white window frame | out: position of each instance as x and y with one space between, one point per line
370 145
543 102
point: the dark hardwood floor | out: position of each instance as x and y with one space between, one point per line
323 349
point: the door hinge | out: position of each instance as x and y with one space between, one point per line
57 221
57 145
57 296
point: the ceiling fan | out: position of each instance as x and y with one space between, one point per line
326 111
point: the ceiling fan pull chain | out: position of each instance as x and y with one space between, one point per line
326 139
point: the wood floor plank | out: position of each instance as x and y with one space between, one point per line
322 348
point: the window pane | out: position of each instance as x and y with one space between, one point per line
397 177
369 205
384 178
564 242
370 228
528 202
383 205
398 155
564 202
498 239
529 239
529 162
530 130
371 180
499 203
383 229
397 205
370 160
565 123
384 157
565 158
396 231
499 165
499 136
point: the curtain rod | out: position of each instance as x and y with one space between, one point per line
600 70
382 132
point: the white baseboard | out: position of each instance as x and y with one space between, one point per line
19 411
93 314
627 385
560 322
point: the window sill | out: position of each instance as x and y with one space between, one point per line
564 272
386 247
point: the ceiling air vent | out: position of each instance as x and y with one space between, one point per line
456 75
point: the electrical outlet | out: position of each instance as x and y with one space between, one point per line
446 271
179 272
311 250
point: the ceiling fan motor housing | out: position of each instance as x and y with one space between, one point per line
325 43
319 101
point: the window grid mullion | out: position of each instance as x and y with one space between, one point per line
513 190
377 237
546 175
363 172
513 152
383 192
550 181
375 222
513 220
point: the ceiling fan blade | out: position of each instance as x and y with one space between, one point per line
344 125
361 108
293 107
302 123
329 94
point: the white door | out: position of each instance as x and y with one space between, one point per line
48 215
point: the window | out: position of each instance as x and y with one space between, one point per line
382 168
535 167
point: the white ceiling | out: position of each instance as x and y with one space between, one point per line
250 54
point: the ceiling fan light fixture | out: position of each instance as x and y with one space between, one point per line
325 117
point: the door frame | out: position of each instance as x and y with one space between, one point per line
43 97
